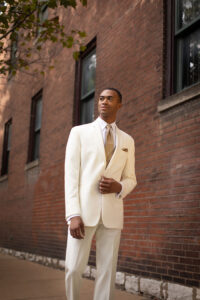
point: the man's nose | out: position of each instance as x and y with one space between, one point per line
105 100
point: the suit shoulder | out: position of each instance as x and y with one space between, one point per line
80 128
126 136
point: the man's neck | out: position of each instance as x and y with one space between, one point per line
108 120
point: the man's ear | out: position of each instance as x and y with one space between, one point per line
120 105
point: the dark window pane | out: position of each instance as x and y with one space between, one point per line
38 112
88 74
191 59
188 11
85 85
36 146
9 136
13 54
44 13
35 126
6 148
13 50
43 16
87 111
6 163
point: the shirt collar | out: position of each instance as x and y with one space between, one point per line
103 124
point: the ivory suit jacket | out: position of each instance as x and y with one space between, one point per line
85 163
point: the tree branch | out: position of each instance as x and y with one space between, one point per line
17 24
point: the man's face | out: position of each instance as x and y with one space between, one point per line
108 104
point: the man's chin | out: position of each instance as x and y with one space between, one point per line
104 112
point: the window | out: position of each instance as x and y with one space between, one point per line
85 85
12 62
35 127
42 16
6 147
184 27
13 50
187 35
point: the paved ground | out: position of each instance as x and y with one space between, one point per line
25 280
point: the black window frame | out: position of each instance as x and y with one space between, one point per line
78 81
32 133
6 151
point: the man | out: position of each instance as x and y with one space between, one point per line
99 173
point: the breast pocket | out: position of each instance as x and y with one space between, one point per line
124 152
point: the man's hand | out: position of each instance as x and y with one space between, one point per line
109 185
77 229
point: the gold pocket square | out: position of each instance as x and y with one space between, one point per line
125 149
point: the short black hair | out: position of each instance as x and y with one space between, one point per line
117 91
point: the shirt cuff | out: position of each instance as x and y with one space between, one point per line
119 195
70 217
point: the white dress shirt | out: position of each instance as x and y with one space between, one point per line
102 125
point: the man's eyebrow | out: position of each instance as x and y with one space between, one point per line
106 96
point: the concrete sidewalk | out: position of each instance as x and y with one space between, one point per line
25 280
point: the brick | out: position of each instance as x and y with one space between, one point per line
39 259
120 278
150 287
192 283
93 273
132 284
198 294
178 292
61 264
87 271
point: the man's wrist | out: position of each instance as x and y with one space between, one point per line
119 187
119 194
72 216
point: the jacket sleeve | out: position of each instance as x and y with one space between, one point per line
72 171
128 178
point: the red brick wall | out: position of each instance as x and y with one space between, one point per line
161 234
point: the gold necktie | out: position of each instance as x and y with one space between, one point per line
109 144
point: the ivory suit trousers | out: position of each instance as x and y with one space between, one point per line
77 255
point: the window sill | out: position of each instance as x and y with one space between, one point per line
3 178
181 97
31 165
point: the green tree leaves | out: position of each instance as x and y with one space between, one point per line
27 22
